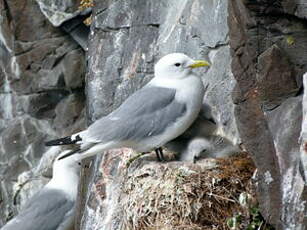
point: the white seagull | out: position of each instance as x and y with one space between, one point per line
157 113
53 207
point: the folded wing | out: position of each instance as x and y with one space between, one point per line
45 210
148 112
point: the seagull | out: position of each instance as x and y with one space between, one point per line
155 114
53 207
200 147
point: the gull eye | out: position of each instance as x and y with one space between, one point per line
177 64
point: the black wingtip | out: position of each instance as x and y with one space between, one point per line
63 141
53 142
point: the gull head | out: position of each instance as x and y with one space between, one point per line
68 164
177 66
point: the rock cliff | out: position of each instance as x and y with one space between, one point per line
55 73
42 72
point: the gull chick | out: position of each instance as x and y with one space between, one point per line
53 207
157 113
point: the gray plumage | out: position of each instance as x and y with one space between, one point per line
153 110
53 207
202 147
45 210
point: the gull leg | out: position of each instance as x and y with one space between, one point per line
159 153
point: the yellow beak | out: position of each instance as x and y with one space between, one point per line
199 63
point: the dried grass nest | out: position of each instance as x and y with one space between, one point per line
187 196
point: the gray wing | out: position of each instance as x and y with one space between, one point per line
45 210
147 112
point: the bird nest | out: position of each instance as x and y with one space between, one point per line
188 196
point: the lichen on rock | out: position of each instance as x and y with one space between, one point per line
85 4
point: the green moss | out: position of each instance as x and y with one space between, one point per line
256 221
290 40
234 222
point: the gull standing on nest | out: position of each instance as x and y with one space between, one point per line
155 114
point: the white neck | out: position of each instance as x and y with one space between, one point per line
66 181
189 90
189 83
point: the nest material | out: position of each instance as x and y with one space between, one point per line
187 196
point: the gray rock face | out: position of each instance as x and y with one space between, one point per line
268 66
285 125
276 79
42 74
303 136
58 12
295 7
258 55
